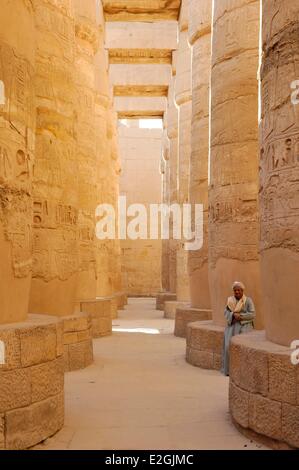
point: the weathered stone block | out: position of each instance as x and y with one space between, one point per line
66 358
84 335
15 389
290 424
47 379
12 345
101 327
187 315
59 344
76 323
28 426
265 416
2 438
249 365
217 361
282 378
38 344
203 359
239 405
80 355
70 338
207 337
98 308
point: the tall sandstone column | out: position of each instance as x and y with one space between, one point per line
55 247
270 384
280 170
234 163
170 179
183 101
17 136
56 177
200 13
200 40
85 49
30 346
172 132
107 251
164 169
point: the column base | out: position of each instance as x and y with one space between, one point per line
122 300
264 390
77 340
100 312
171 306
163 297
204 345
32 382
187 315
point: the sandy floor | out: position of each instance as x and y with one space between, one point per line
141 394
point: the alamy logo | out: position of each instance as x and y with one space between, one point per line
295 353
138 222
295 94
2 353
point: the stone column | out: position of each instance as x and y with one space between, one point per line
172 132
55 180
164 169
107 251
88 39
17 136
233 196
116 290
200 40
183 100
270 384
31 350
86 45
280 170
55 184
172 151
167 245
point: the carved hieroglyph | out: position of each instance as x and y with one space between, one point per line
183 100
55 189
86 45
279 191
200 12
141 10
233 205
17 136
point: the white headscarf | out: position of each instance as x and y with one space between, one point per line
238 284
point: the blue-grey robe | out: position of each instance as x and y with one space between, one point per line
236 328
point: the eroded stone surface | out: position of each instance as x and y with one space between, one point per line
269 382
17 116
204 344
77 340
200 13
184 316
101 316
280 170
32 388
